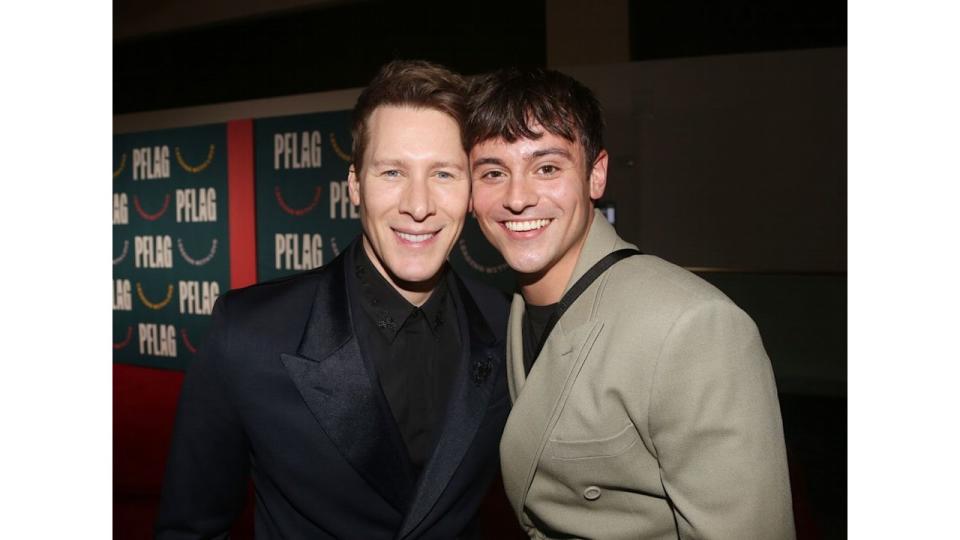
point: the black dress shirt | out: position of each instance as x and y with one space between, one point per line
534 323
415 350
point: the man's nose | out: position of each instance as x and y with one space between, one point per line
520 195
417 200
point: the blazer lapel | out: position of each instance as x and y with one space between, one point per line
516 375
480 362
341 391
539 400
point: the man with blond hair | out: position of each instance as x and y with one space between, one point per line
365 398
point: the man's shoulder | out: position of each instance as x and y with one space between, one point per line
643 274
645 298
654 281
279 308
275 294
252 326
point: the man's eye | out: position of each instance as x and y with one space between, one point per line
444 175
492 175
392 173
549 169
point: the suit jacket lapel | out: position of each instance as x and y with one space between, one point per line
480 362
539 398
537 407
516 375
342 392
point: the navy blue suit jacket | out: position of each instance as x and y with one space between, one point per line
282 393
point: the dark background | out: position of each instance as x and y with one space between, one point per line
341 46
727 134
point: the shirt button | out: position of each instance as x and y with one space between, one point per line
592 493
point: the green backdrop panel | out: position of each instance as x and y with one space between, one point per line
304 215
170 242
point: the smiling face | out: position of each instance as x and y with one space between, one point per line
413 193
532 198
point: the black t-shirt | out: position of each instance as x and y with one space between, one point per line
534 323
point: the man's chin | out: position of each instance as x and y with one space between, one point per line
411 275
523 264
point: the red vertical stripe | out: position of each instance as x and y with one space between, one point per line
243 240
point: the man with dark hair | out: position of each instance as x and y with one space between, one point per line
365 398
644 403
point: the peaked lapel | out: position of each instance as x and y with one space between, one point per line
516 375
342 391
480 362
539 398
538 406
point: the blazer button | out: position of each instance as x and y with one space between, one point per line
592 493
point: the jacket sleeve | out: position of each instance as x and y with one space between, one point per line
205 482
716 427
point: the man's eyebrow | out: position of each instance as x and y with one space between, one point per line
447 165
400 163
552 151
488 161
387 162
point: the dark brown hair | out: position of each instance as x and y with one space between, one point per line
412 83
505 103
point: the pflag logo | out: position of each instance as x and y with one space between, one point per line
201 261
151 216
123 165
186 341
287 209
194 169
339 151
122 344
124 251
155 305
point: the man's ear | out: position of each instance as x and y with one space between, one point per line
598 175
353 186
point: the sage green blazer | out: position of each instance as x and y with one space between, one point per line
651 412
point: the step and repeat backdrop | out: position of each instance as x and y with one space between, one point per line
170 242
172 234
304 215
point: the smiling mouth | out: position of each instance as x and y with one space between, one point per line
415 238
529 225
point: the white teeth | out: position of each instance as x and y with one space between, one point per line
520 226
415 237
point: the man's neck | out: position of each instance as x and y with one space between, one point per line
415 293
547 287
542 290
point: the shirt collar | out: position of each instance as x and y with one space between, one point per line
386 307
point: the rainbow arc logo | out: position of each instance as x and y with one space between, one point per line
317 192
194 169
155 305
201 261
154 216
